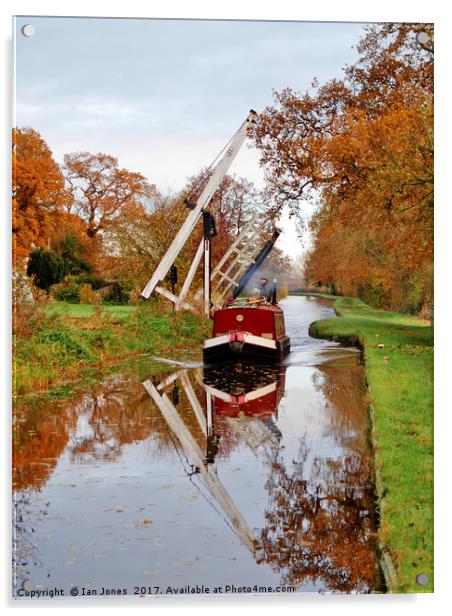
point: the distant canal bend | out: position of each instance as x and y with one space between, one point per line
245 477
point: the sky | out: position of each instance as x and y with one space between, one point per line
164 96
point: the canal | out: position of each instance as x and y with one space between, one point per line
177 476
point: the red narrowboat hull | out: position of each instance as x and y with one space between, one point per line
247 333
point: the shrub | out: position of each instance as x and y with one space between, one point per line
119 293
95 282
29 318
375 295
135 297
70 293
88 296
46 267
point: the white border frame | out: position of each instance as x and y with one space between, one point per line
328 10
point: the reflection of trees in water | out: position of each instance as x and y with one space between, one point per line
109 419
319 523
26 543
344 390
96 425
40 436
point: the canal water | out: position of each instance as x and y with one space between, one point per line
178 478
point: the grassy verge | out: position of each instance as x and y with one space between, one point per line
400 377
88 310
56 344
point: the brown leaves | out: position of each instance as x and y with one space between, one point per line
364 145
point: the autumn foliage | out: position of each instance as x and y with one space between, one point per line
91 215
38 192
362 148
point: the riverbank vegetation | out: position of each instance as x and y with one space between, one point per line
55 343
361 149
398 353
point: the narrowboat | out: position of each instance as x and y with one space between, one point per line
247 329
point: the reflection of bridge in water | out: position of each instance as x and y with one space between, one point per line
233 391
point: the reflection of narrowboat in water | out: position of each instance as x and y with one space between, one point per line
241 390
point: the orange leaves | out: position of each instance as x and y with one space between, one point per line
101 190
365 147
39 192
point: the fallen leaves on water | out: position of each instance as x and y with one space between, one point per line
145 522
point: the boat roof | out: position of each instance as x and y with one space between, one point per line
243 306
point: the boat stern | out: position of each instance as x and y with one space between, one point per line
240 344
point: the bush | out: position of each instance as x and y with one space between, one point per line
135 298
415 293
28 317
119 293
46 267
95 282
88 296
70 294
83 289
375 295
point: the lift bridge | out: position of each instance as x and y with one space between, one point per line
242 259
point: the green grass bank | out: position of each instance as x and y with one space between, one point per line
398 351
54 344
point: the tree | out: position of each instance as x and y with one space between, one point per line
138 238
363 148
46 267
79 252
72 254
38 192
101 190
235 202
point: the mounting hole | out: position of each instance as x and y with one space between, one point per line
422 579
28 30
423 38
28 585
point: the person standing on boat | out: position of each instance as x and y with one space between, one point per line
265 288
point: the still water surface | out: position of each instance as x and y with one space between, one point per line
253 476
